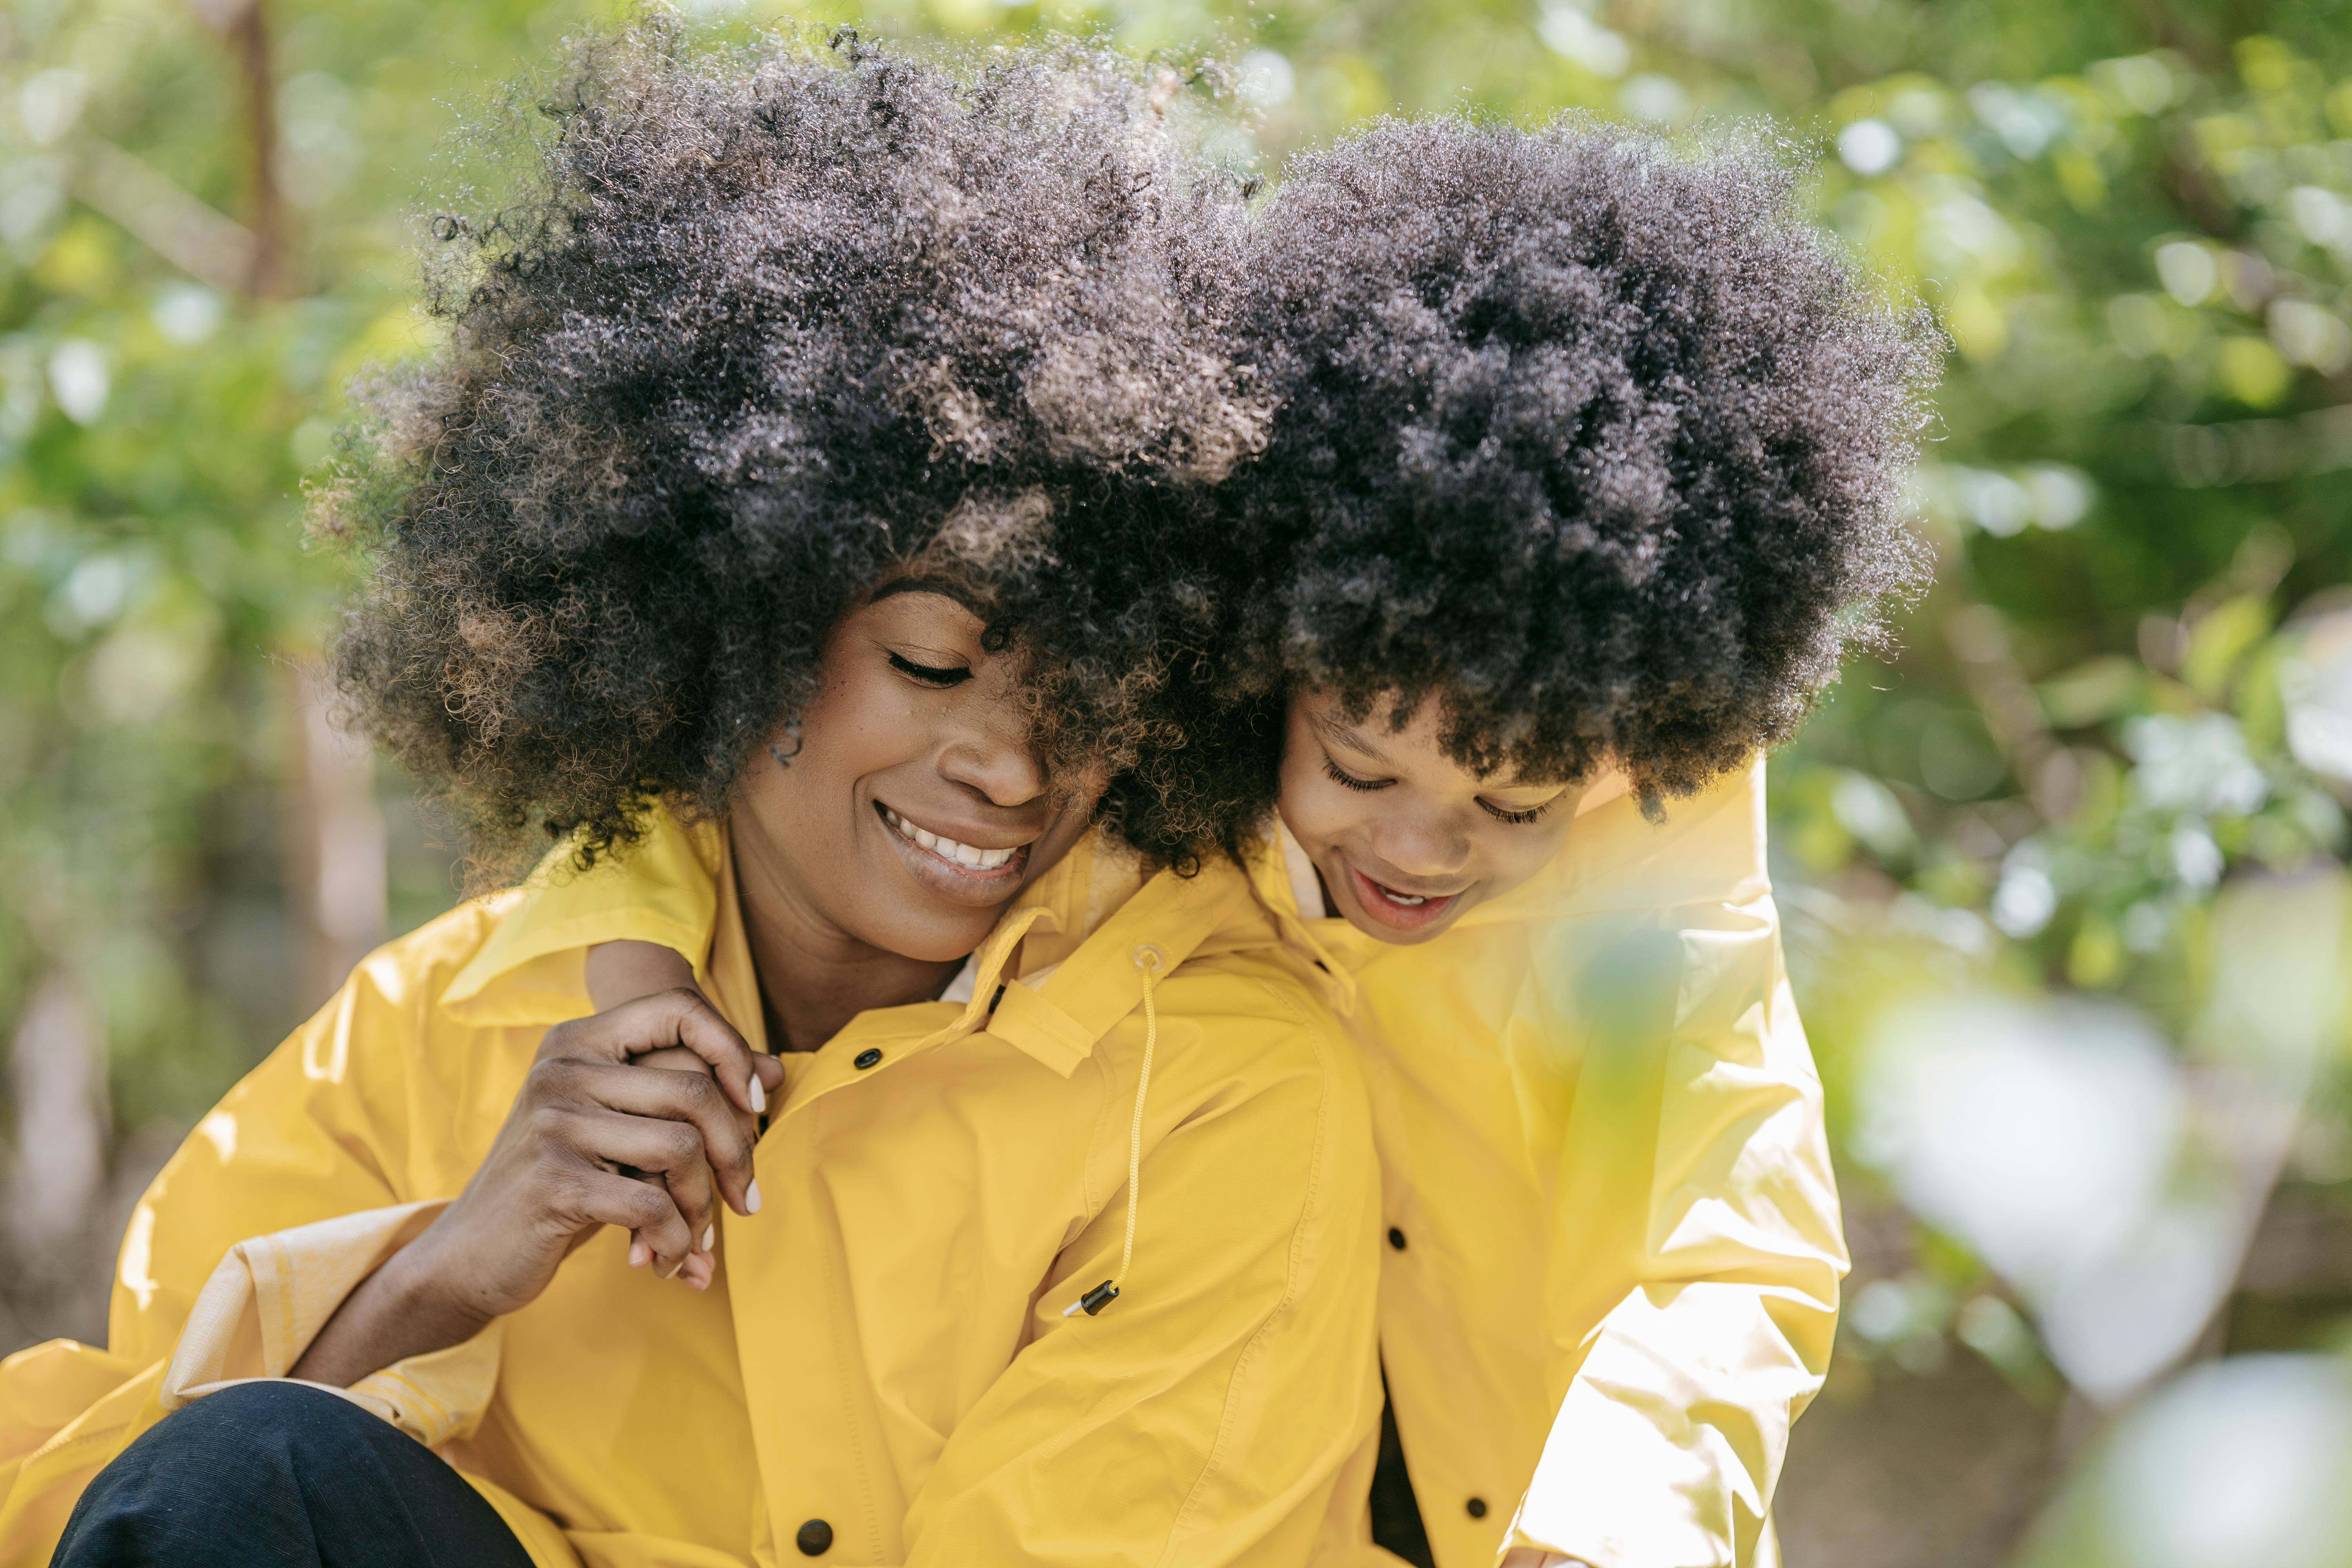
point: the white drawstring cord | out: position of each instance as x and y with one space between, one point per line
1148 960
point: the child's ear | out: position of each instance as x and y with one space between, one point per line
622 972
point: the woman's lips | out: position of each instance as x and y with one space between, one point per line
1405 912
965 872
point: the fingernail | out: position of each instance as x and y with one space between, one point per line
759 1097
751 1198
709 1233
676 1271
637 1253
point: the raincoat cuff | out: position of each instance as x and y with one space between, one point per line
272 1294
1615 1489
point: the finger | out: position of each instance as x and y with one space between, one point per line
690 1189
670 1018
700 1269
678 1058
595 1196
656 1149
680 1100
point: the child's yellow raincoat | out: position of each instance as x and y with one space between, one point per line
1613 1246
884 1349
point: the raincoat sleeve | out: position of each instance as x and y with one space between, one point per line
322 1127
1696 1187
1216 1412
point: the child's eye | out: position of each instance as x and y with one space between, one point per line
942 676
1533 812
1331 771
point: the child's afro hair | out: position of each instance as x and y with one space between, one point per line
1599 444
767 325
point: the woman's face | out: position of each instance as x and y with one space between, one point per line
907 808
1405 837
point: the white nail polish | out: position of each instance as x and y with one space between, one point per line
751 1198
759 1097
710 1232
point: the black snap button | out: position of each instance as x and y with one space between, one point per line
1396 1239
1477 1506
865 1058
815 1537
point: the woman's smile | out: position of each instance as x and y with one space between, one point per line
951 864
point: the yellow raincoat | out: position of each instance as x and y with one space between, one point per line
1613 1254
884 1348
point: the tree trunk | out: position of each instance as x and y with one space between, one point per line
334 843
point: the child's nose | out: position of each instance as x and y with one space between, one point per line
1425 844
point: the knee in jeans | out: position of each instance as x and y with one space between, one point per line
214 1477
226 1451
267 1416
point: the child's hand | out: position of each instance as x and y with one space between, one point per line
621 972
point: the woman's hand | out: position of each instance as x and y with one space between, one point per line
560 1169
619 972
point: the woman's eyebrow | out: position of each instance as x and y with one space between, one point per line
946 587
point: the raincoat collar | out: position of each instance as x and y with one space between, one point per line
1056 973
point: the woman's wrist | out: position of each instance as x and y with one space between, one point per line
402 1310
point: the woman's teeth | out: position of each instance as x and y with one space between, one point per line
1407 900
949 849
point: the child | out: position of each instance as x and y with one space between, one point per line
1583 478
751 481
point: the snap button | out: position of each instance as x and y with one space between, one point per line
815 1537
1396 1239
1476 1505
864 1059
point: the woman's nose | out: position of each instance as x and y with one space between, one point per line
996 763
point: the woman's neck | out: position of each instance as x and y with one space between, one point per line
814 977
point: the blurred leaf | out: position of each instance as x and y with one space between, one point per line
2219 639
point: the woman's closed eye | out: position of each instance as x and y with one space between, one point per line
1527 815
938 675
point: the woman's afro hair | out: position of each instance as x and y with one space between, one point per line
766 326
1598 444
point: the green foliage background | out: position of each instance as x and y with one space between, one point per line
2135 220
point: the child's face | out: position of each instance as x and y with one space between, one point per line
918 733
1405 837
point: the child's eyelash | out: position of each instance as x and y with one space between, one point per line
1349 781
931 675
1533 814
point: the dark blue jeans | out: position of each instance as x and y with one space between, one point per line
276 1475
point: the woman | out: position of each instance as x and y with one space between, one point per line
759 477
